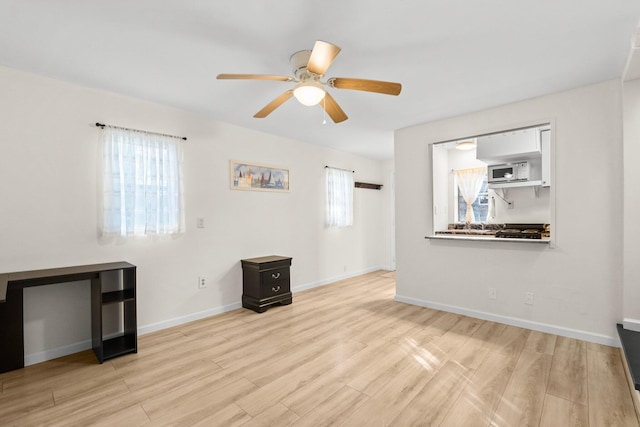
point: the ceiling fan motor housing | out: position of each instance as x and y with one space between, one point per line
299 61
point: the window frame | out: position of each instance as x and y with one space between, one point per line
457 196
339 198
142 183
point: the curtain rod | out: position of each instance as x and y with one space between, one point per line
101 125
331 167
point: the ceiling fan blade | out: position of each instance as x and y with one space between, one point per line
254 77
377 86
268 109
322 56
333 109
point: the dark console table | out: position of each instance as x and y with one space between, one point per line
11 314
265 282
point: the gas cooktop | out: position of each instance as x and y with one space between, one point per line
521 231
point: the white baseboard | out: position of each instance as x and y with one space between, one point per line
337 278
187 318
223 309
631 324
514 321
65 350
54 353
42 356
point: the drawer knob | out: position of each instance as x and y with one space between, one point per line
275 275
275 288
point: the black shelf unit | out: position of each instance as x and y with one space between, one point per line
127 341
11 307
114 297
118 346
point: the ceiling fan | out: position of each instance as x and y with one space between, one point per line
309 67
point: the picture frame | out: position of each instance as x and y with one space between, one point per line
258 177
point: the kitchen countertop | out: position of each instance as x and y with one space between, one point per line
486 237
466 232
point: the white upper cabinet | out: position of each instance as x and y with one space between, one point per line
521 144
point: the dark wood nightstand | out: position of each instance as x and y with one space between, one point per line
266 282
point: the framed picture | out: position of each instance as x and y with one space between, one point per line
257 177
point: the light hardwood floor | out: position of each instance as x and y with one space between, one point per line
343 354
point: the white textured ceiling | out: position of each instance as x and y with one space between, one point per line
452 57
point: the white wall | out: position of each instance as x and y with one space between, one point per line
529 206
577 283
631 300
48 214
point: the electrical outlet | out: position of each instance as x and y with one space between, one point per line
528 298
492 293
200 222
202 282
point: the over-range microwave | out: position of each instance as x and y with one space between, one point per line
515 171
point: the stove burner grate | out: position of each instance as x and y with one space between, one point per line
512 233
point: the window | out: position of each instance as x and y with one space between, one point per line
339 197
480 206
142 183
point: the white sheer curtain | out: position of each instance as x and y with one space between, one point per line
470 183
142 183
339 197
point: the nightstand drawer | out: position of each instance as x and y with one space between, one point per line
275 288
276 275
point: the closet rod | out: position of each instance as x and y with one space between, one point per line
101 125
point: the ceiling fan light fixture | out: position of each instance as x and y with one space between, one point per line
309 93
